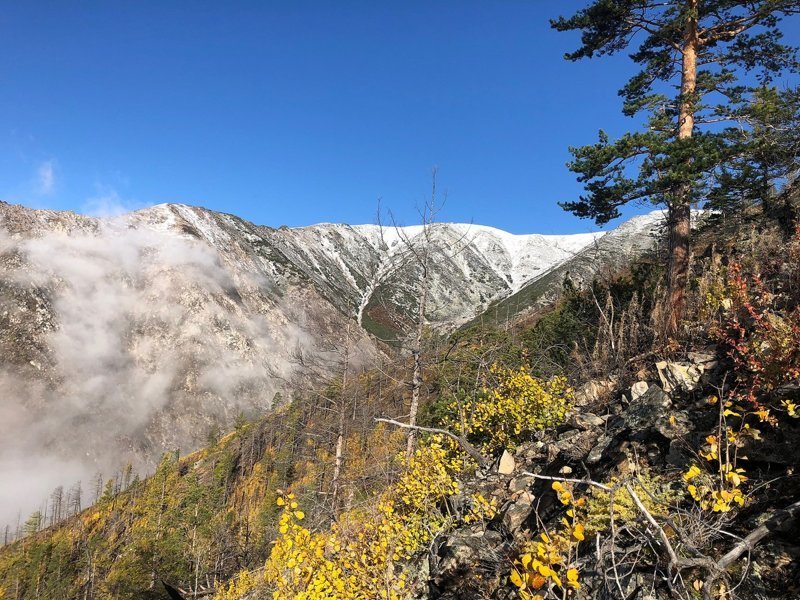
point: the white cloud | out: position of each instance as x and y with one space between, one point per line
46 178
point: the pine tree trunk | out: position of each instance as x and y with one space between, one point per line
679 223
679 217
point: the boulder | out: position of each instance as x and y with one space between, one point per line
702 359
675 426
520 484
678 454
596 453
468 564
592 391
648 410
574 445
517 513
585 421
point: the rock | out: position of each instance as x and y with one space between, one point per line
596 453
565 470
649 410
467 560
566 436
576 445
534 453
675 426
585 420
507 464
677 376
701 359
678 456
520 484
639 388
594 390
516 514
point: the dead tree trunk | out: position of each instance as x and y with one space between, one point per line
339 456
416 353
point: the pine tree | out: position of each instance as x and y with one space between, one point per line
703 62
33 524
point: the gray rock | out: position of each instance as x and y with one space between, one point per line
520 484
592 391
586 420
567 436
702 359
463 552
678 456
648 410
675 426
576 446
596 453
516 514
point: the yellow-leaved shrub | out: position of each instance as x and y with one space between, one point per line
514 406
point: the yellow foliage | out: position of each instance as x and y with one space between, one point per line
242 583
721 490
517 404
428 477
716 494
360 557
481 509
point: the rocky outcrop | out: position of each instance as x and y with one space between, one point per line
653 430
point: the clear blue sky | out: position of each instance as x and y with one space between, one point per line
298 112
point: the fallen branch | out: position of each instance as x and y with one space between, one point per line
775 520
482 461
674 561
568 480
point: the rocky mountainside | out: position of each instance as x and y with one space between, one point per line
122 337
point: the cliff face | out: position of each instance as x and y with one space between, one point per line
122 338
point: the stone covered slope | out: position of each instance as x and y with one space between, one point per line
371 273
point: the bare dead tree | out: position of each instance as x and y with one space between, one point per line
419 251
339 453
56 502
74 498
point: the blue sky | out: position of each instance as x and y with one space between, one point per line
300 112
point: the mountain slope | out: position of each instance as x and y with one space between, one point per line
124 337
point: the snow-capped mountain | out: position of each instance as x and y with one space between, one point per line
123 337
